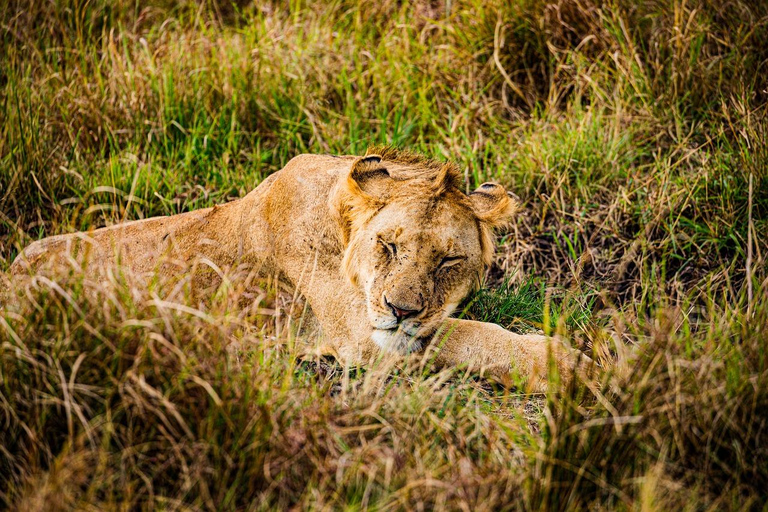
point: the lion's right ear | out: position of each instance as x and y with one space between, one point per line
369 180
366 189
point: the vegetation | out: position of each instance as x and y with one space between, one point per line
634 133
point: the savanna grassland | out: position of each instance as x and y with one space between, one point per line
634 133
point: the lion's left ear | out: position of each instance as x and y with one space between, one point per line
493 204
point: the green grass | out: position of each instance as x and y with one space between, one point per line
629 130
529 306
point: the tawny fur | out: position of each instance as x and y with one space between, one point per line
357 237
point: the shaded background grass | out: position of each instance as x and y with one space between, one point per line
631 132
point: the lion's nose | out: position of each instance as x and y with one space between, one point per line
402 312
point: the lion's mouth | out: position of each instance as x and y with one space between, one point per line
399 339
411 329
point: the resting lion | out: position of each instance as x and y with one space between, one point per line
383 247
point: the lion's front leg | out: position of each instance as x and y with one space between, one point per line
503 355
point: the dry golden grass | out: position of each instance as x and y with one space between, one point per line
631 132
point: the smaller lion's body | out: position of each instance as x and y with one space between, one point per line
382 249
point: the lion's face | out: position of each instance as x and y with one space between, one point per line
415 250
415 263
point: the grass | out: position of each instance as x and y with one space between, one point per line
629 130
529 306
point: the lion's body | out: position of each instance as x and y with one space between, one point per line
318 225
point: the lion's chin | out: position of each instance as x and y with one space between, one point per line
396 340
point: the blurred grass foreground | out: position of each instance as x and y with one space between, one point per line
635 134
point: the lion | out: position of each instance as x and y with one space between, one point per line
383 248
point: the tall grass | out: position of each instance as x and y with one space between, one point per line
629 130
142 402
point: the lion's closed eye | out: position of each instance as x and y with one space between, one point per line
450 261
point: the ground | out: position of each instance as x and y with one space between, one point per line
634 134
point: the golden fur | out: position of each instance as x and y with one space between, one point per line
383 247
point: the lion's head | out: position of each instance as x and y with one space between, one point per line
415 244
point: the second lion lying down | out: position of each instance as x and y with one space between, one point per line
383 247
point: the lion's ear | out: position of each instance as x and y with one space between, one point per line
369 179
366 189
493 204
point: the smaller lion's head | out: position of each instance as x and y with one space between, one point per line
415 244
